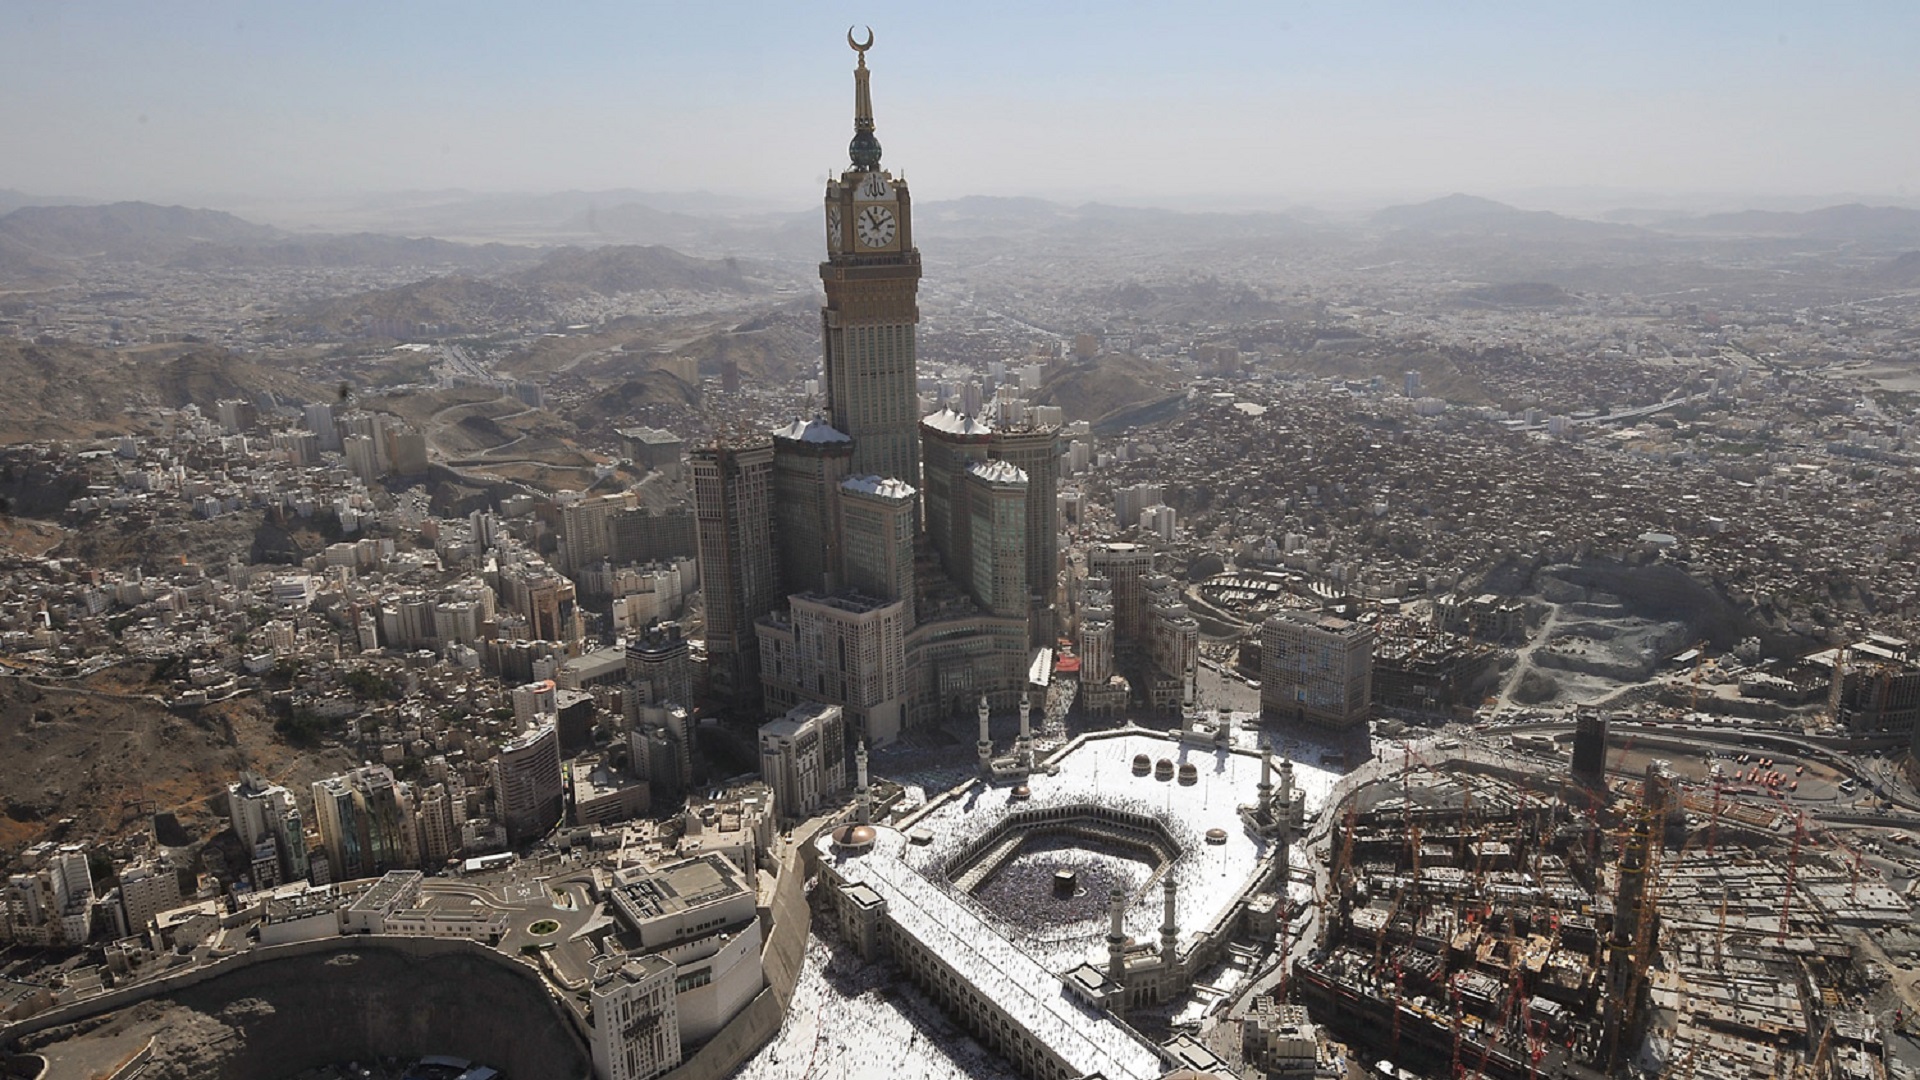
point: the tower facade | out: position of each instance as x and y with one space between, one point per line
733 517
810 459
997 506
953 442
876 542
1125 566
527 789
1034 448
1317 669
872 279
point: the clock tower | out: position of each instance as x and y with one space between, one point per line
872 278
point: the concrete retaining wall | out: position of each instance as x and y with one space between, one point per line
366 996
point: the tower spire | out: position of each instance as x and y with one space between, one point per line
864 149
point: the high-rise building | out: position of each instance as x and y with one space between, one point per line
810 459
642 535
997 507
636 1028
409 452
319 419
842 649
953 442
532 700
876 538
54 904
659 667
262 811
661 745
527 789
1590 747
1125 566
146 889
1128 502
733 513
872 276
441 814
1316 668
803 758
1175 642
586 532
363 457
366 823
1034 448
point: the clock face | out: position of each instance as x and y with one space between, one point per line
874 187
833 227
874 226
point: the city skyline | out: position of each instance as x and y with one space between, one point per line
1231 105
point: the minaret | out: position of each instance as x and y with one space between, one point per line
1169 929
1117 940
1024 748
863 797
1283 806
1264 811
1189 713
985 745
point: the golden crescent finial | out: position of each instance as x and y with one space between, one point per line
856 46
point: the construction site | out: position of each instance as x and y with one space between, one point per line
1488 915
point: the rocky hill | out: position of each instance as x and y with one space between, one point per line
63 390
1104 386
1902 272
130 758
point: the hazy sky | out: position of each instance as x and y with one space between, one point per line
1234 102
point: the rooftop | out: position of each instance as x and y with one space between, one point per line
998 472
816 430
683 886
954 423
886 487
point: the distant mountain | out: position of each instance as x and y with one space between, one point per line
475 213
1851 222
459 303
11 200
611 271
357 249
1472 214
982 216
131 230
209 239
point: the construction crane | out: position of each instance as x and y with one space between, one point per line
1793 864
